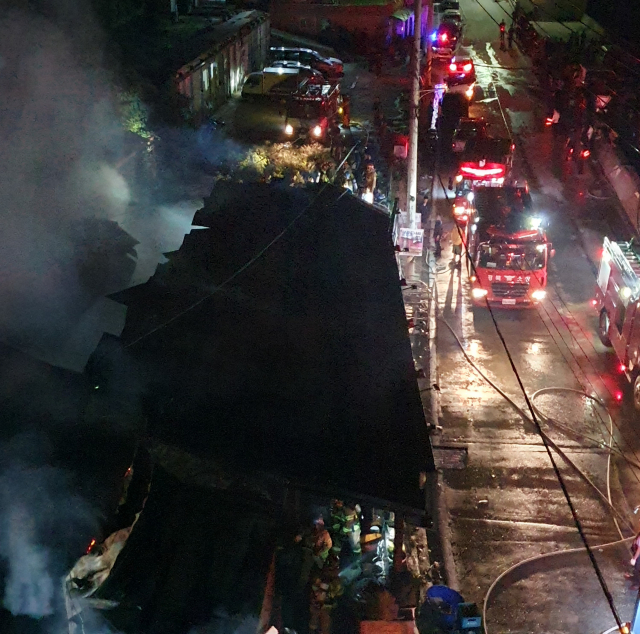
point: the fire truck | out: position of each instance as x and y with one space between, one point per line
509 249
312 111
617 301
485 162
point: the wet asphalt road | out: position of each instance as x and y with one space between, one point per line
506 505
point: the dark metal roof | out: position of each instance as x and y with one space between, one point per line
302 364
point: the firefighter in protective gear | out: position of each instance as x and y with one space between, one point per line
345 527
352 528
336 524
319 542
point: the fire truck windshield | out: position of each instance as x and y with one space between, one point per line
522 257
305 110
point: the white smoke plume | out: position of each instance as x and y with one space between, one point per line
59 135
42 525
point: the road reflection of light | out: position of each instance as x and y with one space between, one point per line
438 93
474 347
536 358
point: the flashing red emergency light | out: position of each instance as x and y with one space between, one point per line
622 368
453 67
467 67
585 154
548 121
618 396
594 302
491 169
444 37
502 27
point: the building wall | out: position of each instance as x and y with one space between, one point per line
310 19
220 72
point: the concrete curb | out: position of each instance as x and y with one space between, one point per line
441 512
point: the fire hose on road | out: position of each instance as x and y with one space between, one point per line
606 499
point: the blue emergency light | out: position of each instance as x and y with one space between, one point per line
434 35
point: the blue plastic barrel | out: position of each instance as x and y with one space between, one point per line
448 596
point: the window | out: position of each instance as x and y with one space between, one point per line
205 80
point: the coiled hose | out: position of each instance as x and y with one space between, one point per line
605 498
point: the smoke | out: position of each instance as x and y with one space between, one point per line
60 133
42 524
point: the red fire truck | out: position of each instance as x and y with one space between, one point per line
312 111
509 248
618 302
485 162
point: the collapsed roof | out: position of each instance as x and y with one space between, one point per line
299 363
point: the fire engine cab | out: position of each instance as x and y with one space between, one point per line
617 301
312 111
508 246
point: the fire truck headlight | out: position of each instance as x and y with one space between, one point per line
458 178
458 210
317 131
479 293
535 223
473 278
540 248
288 129
470 197
625 292
538 295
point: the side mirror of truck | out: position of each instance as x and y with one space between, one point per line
450 185
552 253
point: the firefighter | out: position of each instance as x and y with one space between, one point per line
346 112
511 35
456 243
336 525
319 618
370 181
352 528
319 542
503 29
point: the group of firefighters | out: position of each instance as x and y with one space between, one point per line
318 584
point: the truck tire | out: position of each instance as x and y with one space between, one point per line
603 328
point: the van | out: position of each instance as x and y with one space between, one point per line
275 83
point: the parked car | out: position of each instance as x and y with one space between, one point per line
450 15
465 130
445 40
330 67
461 76
276 82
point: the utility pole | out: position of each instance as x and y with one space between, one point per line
414 111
